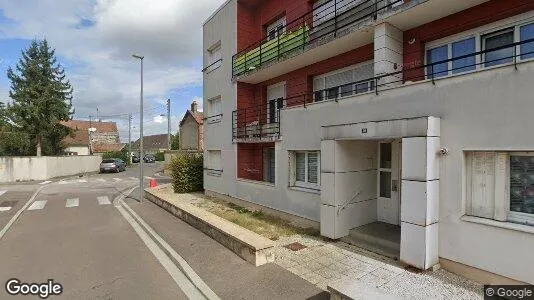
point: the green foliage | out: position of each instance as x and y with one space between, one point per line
175 142
160 156
117 154
42 97
187 173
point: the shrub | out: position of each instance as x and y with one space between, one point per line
117 154
160 156
187 173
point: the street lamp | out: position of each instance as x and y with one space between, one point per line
141 157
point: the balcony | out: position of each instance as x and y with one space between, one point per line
262 124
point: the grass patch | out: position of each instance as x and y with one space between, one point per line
266 225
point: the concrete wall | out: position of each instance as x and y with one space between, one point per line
189 134
14 169
81 150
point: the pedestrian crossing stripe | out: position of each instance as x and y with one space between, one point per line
36 205
45 182
103 200
2 192
74 202
5 208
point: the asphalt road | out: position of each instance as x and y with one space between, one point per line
76 232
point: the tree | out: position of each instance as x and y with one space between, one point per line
175 142
42 97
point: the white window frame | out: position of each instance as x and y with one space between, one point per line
501 184
515 21
323 77
214 54
214 117
305 184
274 26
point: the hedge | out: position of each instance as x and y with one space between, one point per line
160 156
117 154
187 173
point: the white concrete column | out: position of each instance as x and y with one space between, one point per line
388 53
420 201
328 195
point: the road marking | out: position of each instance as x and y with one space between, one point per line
37 205
183 282
103 200
117 179
5 208
19 212
81 180
63 182
2 192
45 182
146 177
72 202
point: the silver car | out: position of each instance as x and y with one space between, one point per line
112 165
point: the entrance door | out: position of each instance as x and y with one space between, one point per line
389 166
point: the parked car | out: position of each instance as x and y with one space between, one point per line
135 158
112 165
149 158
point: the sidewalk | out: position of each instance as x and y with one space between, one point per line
323 263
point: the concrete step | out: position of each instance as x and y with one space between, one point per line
350 290
377 237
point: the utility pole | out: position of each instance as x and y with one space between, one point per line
169 124
90 135
130 138
141 154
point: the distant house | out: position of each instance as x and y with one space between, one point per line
192 129
105 137
153 143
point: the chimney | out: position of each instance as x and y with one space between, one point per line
194 106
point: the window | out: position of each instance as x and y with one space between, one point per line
436 55
269 165
214 163
463 48
276 29
459 50
275 101
496 40
214 57
527 33
344 83
500 186
214 109
306 169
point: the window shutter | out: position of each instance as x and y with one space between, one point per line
364 72
482 184
300 166
318 84
501 187
313 162
276 91
338 79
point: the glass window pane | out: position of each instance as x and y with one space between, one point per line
313 162
362 87
527 49
346 90
436 55
385 155
332 93
318 96
522 184
300 168
501 56
385 184
462 48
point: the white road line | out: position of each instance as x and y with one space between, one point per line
19 212
2 192
103 200
183 282
74 202
45 182
37 205
81 180
117 179
5 208
63 182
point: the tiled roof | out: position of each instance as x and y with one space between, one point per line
198 116
100 148
153 142
84 125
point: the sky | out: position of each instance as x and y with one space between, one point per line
94 41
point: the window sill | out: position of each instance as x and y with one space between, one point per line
265 183
214 120
505 225
305 189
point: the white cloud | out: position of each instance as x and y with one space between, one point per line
167 32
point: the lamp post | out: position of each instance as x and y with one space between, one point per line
141 156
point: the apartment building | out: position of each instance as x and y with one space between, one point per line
411 113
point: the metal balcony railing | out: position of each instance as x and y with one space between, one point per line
255 123
321 24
